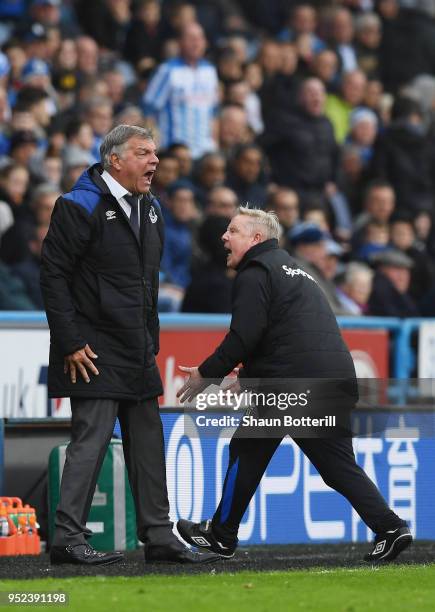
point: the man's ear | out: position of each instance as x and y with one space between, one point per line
258 237
115 161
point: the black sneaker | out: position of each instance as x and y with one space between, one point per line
201 535
388 545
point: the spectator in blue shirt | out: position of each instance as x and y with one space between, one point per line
183 95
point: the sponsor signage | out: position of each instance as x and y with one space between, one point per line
292 503
23 375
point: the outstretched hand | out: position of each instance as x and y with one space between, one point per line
194 384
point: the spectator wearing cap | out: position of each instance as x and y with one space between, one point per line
36 73
332 262
354 288
390 296
363 129
183 114
301 146
180 216
309 248
35 41
246 175
404 156
210 288
375 239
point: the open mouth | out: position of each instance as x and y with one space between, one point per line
149 176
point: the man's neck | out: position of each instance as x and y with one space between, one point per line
116 188
191 61
116 178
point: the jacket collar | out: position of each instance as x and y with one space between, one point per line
95 173
262 247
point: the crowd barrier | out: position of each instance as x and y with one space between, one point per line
292 503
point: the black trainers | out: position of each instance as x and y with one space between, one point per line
201 535
388 545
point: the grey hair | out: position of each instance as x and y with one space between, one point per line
355 269
44 189
116 139
265 222
367 20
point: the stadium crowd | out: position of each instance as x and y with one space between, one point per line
323 112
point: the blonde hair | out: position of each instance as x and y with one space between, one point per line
265 222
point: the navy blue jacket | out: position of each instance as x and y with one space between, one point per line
100 287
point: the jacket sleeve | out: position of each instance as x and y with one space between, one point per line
249 320
67 239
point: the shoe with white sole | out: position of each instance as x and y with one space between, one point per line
201 535
388 545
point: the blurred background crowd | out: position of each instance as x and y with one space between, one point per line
323 112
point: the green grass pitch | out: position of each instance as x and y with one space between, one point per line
390 588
